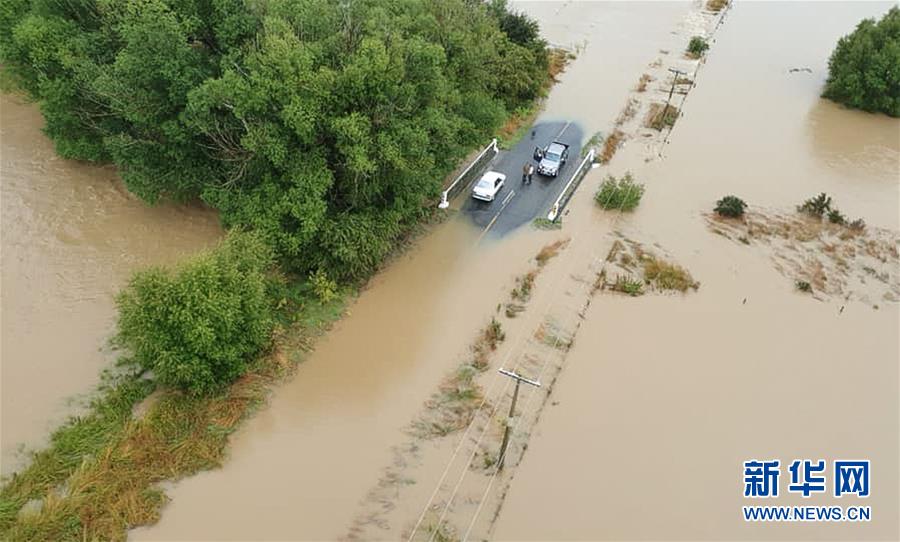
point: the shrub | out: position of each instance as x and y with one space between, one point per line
803 286
731 207
697 46
668 276
816 206
325 288
863 70
623 194
858 225
197 326
836 217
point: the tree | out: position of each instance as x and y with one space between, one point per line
326 126
864 69
197 326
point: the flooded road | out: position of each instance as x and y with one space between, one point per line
301 467
664 396
71 236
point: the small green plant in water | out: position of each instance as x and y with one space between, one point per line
836 217
817 206
730 207
494 333
623 194
697 46
628 285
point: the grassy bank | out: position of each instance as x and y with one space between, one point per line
98 476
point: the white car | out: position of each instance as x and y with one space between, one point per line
488 186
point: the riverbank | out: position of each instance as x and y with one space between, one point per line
70 236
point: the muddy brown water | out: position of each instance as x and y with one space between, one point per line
663 397
71 236
301 467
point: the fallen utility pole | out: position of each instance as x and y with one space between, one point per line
512 409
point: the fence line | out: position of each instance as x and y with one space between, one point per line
457 185
573 183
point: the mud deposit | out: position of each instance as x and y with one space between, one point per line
664 397
71 236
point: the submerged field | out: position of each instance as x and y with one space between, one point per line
664 397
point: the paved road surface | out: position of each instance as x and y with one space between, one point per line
519 204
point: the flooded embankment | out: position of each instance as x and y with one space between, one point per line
71 236
664 396
301 468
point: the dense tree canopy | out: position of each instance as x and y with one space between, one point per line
864 69
325 125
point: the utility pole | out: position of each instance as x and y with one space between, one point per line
672 90
512 410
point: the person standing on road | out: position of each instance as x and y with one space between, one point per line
530 172
526 169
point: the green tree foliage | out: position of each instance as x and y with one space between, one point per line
697 46
198 326
864 69
324 125
731 207
623 193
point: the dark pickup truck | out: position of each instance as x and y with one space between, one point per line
552 158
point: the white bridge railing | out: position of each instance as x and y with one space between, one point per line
463 179
570 187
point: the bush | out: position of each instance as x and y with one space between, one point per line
697 46
623 194
325 288
864 69
817 206
198 325
731 207
668 276
836 217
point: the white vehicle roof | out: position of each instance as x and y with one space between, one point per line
556 148
492 176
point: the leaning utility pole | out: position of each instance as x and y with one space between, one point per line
672 90
512 410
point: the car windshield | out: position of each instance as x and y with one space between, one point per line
485 183
552 156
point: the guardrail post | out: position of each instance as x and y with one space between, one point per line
554 210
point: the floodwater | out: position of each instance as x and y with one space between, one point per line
71 236
664 397
300 468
